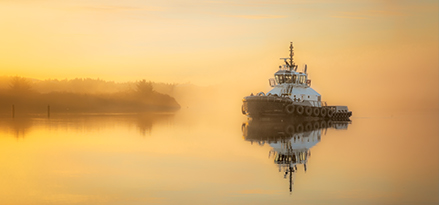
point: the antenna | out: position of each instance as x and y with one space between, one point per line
291 65
291 54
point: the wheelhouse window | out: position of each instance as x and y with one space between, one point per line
302 79
285 77
288 78
280 79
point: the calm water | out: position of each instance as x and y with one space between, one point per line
218 158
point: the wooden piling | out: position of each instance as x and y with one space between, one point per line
13 111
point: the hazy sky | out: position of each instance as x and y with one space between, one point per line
353 47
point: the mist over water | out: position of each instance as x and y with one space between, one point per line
92 141
202 154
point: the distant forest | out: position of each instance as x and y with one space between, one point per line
84 95
79 85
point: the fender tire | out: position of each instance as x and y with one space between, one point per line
316 125
299 128
308 111
308 127
300 110
323 124
316 111
289 109
329 123
261 94
323 112
289 129
330 113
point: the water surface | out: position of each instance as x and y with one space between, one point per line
217 158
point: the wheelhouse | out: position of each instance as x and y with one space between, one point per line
286 76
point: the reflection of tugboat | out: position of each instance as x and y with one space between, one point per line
290 141
292 95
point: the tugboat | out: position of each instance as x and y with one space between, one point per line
292 95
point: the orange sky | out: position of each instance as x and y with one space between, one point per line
362 50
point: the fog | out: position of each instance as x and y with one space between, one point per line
379 92
23 96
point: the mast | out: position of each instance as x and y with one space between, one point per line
291 178
290 64
291 55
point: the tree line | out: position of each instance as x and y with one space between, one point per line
84 95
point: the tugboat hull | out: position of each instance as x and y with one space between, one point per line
256 106
272 106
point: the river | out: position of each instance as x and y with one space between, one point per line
217 158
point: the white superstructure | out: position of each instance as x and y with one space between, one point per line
288 82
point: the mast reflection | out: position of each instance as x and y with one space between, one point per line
291 141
